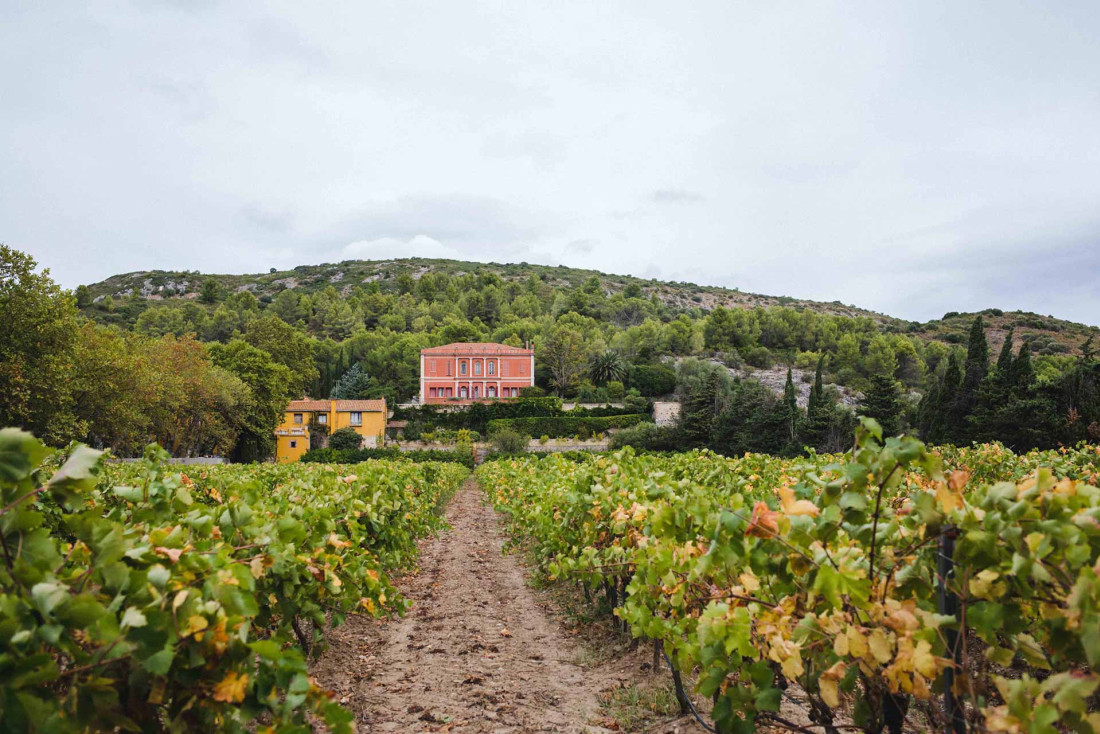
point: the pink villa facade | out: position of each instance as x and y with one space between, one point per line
466 373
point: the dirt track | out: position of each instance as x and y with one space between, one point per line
476 653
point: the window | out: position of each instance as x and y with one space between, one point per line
491 391
322 418
491 367
448 368
477 391
504 368
515 392
450 392
298 419
462 391
477 368
293 444
461 368
357 419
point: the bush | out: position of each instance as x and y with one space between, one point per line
508 441
355 456
532 392
565 426
759 357
615 390
544 439
647 437
653 380
345 439
635 403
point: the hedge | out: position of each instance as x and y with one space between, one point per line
355 456
561 426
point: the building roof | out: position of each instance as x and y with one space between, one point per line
341 406
477 349
360 406
307 405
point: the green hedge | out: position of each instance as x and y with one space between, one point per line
562 426
354 456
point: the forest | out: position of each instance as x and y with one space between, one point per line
204 365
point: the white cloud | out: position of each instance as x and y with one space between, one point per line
385 248
909 158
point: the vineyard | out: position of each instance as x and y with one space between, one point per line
138 598
895 586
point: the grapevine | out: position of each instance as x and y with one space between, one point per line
758 572
139 597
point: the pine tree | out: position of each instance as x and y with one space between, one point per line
883 403
355 384
700 410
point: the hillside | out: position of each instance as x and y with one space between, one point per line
1046 334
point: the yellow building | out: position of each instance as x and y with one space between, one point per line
367 417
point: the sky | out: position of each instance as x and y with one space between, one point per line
911 158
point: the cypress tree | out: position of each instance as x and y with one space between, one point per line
815 429
817 393
790 401
977 365
1004 361
1021 374
941 428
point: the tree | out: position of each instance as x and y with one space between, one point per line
701 407
288 346
83 296
607 367
790 403
355 384
563 355
268 385
210 292
977 365
345 439
883 403
36 349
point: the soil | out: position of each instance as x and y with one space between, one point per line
479 650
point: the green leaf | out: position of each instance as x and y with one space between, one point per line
20 454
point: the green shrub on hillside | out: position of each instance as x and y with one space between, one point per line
564 426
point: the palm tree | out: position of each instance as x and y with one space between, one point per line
607 367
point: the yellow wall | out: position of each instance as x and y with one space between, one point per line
373 430
285 454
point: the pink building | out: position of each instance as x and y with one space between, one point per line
464 373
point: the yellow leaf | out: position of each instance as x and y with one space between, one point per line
949 499
828 684
880 646
231 688
195 623
983 587
181 597
840 645
749 581
791 506
857 643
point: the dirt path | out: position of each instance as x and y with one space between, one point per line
476 653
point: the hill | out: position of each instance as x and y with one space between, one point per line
1047 335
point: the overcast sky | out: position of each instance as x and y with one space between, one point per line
912 158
